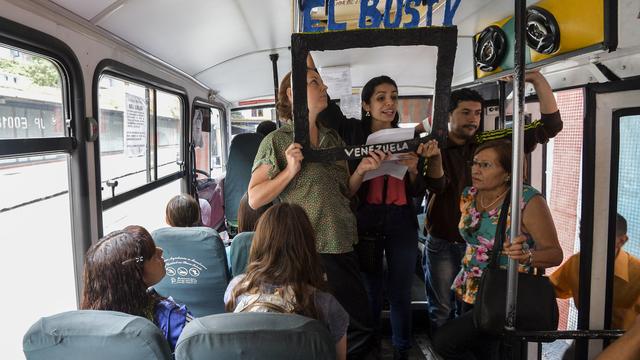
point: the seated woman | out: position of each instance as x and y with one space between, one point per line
284 266
324 190
183 211
119 271
238 252
480 204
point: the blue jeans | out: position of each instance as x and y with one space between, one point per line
441 263
400 245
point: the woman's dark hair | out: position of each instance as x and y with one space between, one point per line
367 94
283 105
283 253
113 273
183 211
502 148
247 217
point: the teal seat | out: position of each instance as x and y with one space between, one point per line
96 335
242 152
255 336
239 252
197 270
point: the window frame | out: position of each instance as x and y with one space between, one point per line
31 40
199 102
127 73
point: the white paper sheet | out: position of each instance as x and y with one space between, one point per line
391 166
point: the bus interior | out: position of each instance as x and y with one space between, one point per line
108 108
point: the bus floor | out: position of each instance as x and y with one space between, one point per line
421 335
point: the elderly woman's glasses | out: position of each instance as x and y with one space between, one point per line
483 165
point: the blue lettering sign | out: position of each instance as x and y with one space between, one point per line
413 12
450 12
369 11
332 18
387 14
309 24
429 16
372 18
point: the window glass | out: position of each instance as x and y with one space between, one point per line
247 120
124 123
169 115
217 144
628 175
413 110
128 213
38 264
30 96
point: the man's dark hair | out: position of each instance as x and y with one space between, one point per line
266 127
621 225
464 95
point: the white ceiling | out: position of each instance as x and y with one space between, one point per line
226 43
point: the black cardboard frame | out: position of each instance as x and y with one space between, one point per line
444 38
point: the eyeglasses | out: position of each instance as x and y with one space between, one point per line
482 164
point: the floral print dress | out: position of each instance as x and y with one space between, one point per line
478 229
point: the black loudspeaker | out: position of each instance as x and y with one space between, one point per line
490 48
543 32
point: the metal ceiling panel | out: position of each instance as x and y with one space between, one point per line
191 41
246 77
85 8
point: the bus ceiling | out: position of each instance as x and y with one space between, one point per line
226 44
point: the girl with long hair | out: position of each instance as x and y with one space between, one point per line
119 271
324 190
387 213
283 261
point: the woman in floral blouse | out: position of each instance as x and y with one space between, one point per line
480 204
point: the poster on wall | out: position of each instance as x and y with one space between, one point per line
135 125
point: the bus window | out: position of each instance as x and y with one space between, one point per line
30 96
628 175
169 115
124 122
128 213
217 143
35 214
564 155
247 119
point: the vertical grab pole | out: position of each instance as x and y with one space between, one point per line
274 68
517 156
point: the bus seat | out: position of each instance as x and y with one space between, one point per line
242 152
255 336
240 247
197 270
95 334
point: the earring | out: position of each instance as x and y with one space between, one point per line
367 114
507 179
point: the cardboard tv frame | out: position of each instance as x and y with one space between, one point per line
444 38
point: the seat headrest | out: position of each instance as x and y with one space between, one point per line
255 336
94 334
191 234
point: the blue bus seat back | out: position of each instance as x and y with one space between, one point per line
95 334
240 247
242 152
255 336
196 265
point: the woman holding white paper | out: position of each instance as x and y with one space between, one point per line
387 223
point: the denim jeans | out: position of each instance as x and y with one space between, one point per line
441 263
400 243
